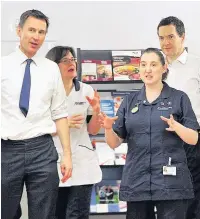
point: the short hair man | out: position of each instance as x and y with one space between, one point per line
33 107
184 74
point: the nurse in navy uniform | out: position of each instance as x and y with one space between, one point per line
156 122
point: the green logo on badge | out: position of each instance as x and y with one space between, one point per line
135 109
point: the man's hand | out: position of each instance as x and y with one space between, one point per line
95 102
171 122
105 121
75 121
66 168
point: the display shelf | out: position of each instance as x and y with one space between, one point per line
108 90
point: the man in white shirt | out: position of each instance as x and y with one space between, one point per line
33 107
184 74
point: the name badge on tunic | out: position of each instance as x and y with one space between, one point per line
165 106
169 170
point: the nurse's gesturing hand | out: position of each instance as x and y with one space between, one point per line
171 122
95 102
75 121
105 121
188 135
112 139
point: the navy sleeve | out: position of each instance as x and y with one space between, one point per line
119 126
188 118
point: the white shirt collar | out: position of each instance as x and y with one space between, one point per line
183 57
22 57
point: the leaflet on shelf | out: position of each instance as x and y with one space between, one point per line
126 64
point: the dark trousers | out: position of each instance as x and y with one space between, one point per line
193 154
194 208
150 211
18 213
33 162
74 202
198 206
174 209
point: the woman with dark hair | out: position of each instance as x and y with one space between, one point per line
84 107
156 122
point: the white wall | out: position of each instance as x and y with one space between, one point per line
103 25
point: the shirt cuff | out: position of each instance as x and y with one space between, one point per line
59 116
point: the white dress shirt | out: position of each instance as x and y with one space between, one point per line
47 97
184 74
86 169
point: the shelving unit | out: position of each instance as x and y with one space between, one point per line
106 89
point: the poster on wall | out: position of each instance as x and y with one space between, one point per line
96 70
126 64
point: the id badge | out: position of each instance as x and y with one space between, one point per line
169 170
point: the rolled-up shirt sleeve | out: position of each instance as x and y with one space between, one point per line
58 102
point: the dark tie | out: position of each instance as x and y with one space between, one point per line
25 91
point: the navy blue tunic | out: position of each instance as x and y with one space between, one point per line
150 145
